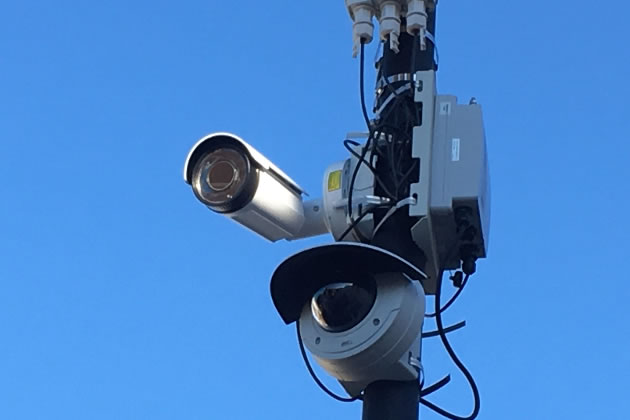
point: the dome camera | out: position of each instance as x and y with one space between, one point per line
360 311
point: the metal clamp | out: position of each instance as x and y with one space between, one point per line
401 77
415 362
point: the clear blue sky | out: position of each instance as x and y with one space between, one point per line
122 297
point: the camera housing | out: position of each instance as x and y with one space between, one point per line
384 345
336 188
379 339
232 178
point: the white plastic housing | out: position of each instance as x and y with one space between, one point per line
389 14
384 346
333 199
417 20
314 220
337 179
389 23
275 210
362 12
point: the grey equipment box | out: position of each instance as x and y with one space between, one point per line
460 179
454 188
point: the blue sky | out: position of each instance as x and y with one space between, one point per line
122 297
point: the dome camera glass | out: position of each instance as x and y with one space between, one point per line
340 306
220 177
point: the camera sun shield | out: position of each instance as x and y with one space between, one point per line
301 276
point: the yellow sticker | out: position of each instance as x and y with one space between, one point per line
334 181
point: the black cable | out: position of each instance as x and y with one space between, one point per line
354 224
371 137
392 163
348 142
458 363
391 88
398 144
452 299
374 134
400 131
450 254
367 122
312 372
362 84
435 387
447 330
414 46
368 164
407 174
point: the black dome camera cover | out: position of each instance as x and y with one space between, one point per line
300 276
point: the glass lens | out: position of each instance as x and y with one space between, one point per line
340 306
220 176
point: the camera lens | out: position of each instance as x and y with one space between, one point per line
222 181
221 175
340 306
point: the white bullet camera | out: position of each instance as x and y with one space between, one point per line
360 311
232 178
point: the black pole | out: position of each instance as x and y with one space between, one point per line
391 400
395 234
399 400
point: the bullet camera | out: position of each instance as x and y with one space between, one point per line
360 311
232 178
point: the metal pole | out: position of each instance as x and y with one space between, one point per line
396 400
391 400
